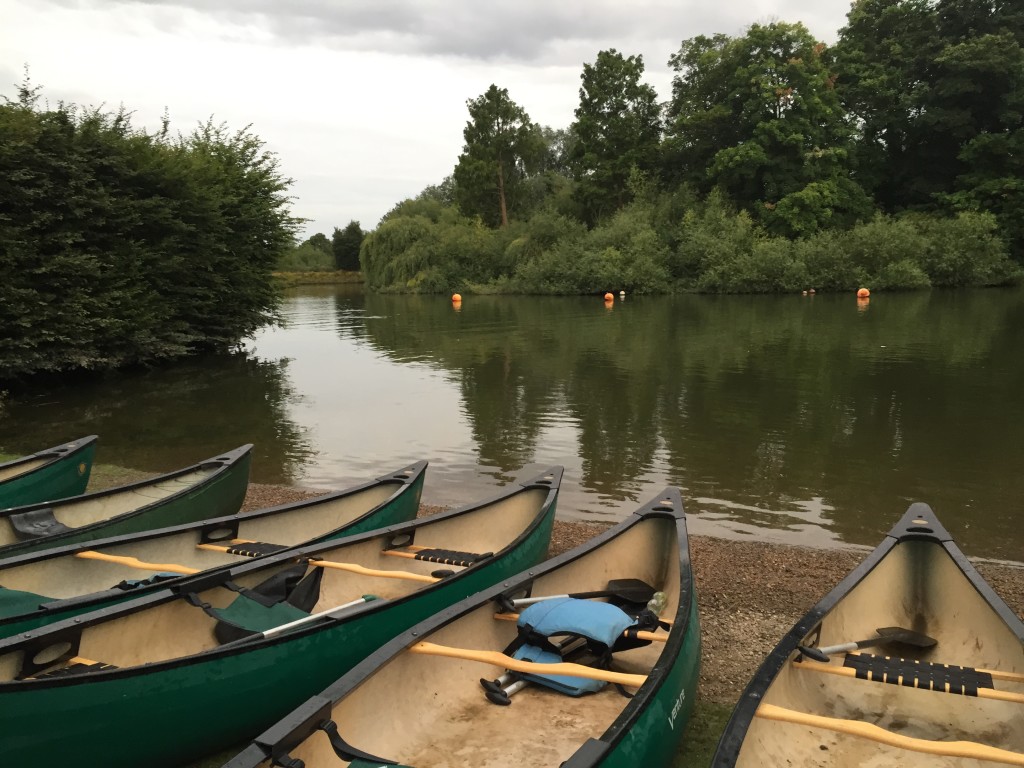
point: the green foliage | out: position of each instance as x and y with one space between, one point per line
617 128
120 247
345 245
758 117
305 258
503 148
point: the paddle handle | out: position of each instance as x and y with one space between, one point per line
501 660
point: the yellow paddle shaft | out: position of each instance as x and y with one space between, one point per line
134 562
983 693
965 749
640 634
501 660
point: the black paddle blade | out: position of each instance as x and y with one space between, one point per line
905 637
628 590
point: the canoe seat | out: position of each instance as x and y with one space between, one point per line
445 556
254 548
918 674
36 524
598 624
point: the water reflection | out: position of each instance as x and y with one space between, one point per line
804 419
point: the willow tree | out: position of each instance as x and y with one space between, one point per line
502 147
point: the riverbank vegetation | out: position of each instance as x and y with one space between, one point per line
120 247
892 160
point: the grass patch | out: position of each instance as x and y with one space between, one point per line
702 733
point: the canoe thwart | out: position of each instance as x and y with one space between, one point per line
75 666
965 749
36 524
911 678
443 556
501 660
356 568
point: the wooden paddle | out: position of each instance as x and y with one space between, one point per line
175 568
965 749
501 660
134 562
640 634
897 635
983 693
628 590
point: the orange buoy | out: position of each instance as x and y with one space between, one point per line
863 293
609 297
456 298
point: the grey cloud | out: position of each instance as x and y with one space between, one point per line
534 32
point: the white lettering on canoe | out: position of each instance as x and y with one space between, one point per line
675 709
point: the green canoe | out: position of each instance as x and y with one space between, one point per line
210 488
175 675
40 588
469 686
55 473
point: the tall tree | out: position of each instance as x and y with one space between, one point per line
758 116
345 244
617 128
502 147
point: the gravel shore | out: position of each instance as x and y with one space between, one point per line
750 593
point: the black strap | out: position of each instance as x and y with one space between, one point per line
451 556
918 674
255 548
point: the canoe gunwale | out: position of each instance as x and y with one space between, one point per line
55 454
399 479
69 630
303 721
905 530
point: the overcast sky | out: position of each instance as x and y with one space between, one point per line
364 101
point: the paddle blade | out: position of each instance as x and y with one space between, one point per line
905 637
631 590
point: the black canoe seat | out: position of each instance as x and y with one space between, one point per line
14 602
76 666
36 524
444 556
918 674
254 548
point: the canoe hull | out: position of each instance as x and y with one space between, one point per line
402 704
65 473
950 626
220 494
172 712
402 507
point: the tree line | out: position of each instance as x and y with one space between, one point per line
894 158
121 247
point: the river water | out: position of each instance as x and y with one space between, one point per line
803 419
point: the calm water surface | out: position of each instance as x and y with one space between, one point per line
812 420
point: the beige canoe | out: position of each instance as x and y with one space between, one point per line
911 661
